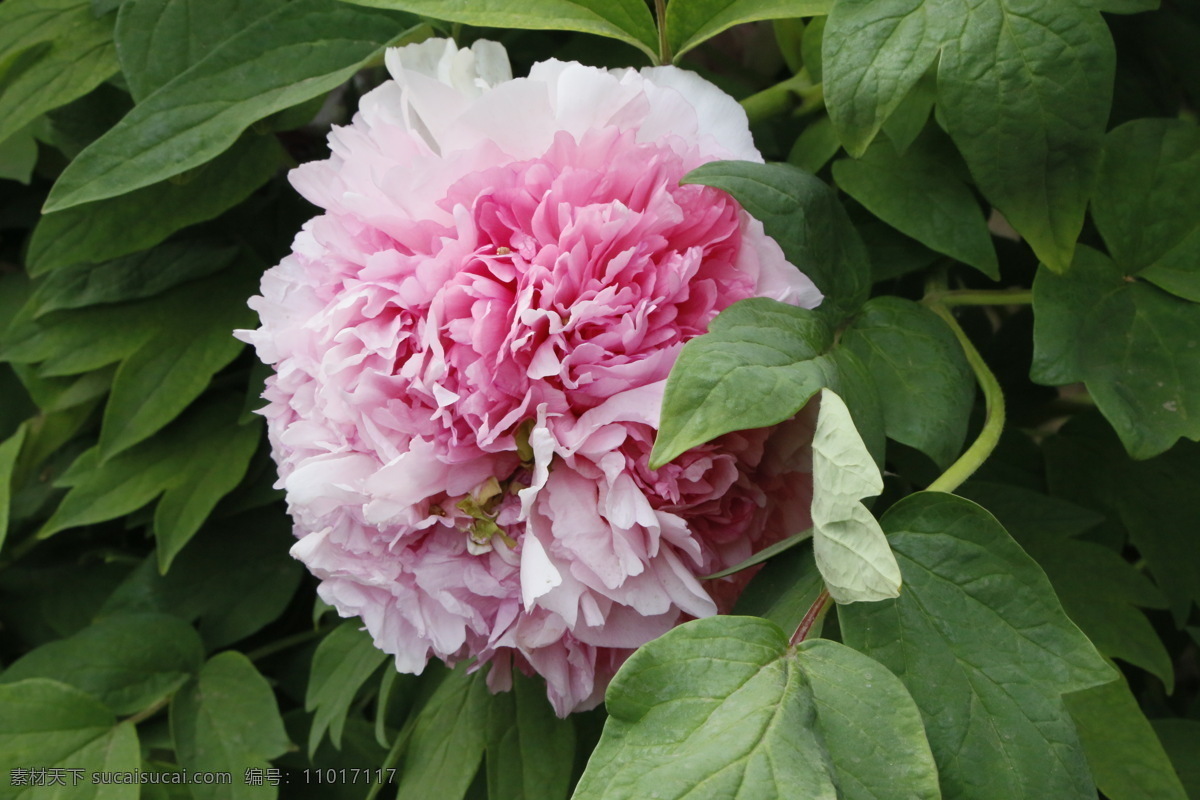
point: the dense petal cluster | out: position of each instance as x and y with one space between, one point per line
470 348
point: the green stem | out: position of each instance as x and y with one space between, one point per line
286 642
970 297
149 711
660 15
993 422
782 97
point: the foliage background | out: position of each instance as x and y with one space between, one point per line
994 192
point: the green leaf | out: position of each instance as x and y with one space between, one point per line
1147 202
227 721
626 20
233 578
302 50
133 277
850 548
1125 756
530 751
804 216
873 54
1181 739
815 146
192 464
163 376
1023 90
127 662
342 663
106 229
759 363
910 353
49 724
194 28
908 120
981 642
920 194
18 156
1131 343
691 22
1100 591
447 740
723 707
10 448
51 52
1154 500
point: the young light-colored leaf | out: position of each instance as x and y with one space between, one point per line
1126 757
300 51
1147 202
920 194
983 645
342 663
626 20
51 52
227 721
851 550
10 448
723 707
1132 344
690 23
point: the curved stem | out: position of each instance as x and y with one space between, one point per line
993 422
286 642
781 97
150 711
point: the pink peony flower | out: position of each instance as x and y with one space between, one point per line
470 348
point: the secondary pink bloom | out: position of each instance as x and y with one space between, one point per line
470 348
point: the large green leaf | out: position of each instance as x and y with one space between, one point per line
1126 757
1023 89
10 448
192 464
1131 343
1101 591
128 662
1154 500
163 376
51 52
446 740
302 50
983 645
132 277
920 194
723 707
626 20
342 663
690 22
910 353
106 229
1181 739
873 54
530 751
227 721
193 28
1147 202
804 216
233 578
850 548
50 724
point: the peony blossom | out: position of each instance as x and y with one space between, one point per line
470 348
